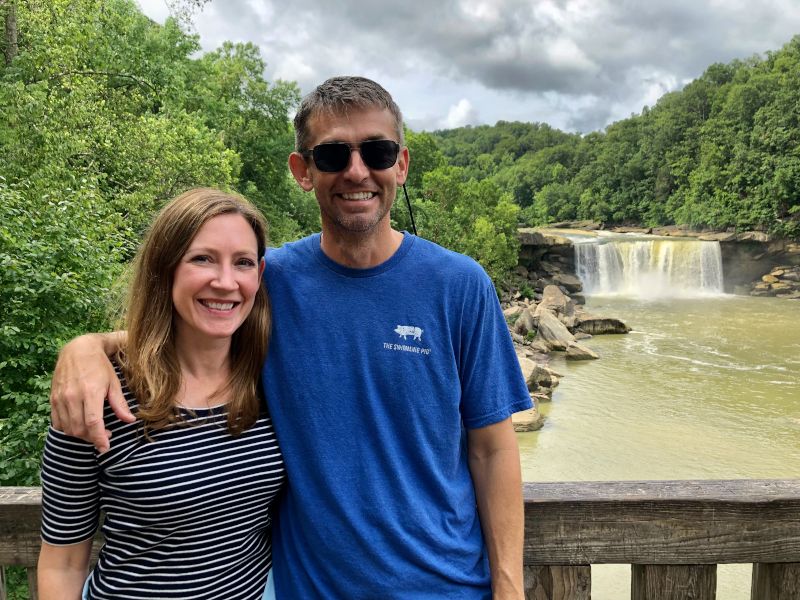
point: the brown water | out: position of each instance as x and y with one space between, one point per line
700 389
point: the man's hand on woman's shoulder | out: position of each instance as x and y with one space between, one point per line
83 379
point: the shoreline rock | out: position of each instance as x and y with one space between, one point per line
783 281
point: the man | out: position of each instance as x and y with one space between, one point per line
390 378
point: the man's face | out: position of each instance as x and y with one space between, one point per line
356 199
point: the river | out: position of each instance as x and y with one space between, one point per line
702 388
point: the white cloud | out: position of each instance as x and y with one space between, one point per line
572 63
293 68
564 53
459 115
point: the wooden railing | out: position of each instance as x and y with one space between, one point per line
672 533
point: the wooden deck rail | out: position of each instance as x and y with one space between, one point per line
672 533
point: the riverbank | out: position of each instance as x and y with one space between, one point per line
544 298
543 306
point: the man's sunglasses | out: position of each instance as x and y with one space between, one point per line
335 156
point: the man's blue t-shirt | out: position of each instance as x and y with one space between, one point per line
372 377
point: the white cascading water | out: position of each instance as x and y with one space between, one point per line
649 268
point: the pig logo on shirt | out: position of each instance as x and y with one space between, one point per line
405 330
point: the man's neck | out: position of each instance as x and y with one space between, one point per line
360 250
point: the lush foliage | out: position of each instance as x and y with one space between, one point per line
104 115
470 216
458 211
49 296
724 152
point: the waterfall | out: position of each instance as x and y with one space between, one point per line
648 267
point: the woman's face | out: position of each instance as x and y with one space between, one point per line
216 280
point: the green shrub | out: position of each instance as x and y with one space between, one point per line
58 258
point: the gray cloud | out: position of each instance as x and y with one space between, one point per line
547 53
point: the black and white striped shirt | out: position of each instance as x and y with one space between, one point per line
187 514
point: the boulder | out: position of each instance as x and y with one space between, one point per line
753 236
513 311
669 230
539 345
587 225
556 301
725 236
552 331
536 376
623 229
539 398
594 325
769 279
525 351
792 275
525 323
577 352
569 321
569 282
533 237
527 420
549 267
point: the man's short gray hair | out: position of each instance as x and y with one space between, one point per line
336 96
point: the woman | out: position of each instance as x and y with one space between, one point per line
186 489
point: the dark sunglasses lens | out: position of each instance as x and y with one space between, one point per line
379 154
331 158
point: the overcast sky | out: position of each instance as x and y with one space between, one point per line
577 65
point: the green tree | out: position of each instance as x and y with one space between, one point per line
59 256
472 217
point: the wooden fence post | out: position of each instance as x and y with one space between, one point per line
775 581
673 582
555 582
33 583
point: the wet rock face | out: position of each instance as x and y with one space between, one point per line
748 257
545 257
783 281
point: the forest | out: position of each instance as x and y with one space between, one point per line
721 153
105 114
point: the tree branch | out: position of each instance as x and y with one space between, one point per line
11 46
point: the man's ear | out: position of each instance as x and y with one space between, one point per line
402 163
300 171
